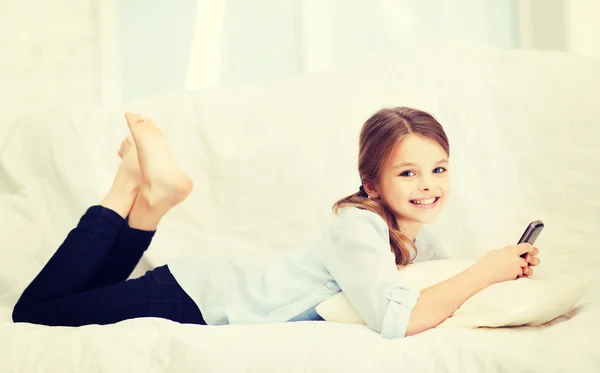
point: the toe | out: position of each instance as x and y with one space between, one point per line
121 148
133 119
130 119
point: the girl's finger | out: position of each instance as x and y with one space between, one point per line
528 271
535 251
534 261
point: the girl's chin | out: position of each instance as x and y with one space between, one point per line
419 219
424 217
427 220
418 214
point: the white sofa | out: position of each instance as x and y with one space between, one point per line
269 161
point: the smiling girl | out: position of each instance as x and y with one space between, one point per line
404 168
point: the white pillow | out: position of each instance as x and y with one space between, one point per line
526 301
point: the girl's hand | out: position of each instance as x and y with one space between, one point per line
507 264
532 260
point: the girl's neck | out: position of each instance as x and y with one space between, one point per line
409 228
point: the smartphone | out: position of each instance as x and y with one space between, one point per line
531 233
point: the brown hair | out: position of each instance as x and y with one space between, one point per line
378 137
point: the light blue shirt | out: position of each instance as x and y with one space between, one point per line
353 255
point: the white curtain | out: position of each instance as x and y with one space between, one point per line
199 43
239 41
155 40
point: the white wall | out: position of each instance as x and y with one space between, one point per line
541 24
50 53
336 31
56 52
239 41
582 26
154 41
561 25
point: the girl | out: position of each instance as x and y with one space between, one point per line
403 165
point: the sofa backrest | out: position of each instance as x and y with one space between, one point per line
269 161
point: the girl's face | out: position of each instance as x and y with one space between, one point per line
414 184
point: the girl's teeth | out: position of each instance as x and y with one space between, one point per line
424 201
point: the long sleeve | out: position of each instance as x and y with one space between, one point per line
361 262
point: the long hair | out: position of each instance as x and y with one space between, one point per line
378 138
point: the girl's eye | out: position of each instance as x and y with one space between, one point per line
439 170
407 173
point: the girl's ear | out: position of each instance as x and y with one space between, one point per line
371 190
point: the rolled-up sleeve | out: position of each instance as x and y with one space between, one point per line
361 262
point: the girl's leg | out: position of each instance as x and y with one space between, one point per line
156 294
123 257
86 247
130 244
124 190
163 185
82 255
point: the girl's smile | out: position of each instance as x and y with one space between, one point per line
425 202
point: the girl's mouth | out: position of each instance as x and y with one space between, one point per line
427 203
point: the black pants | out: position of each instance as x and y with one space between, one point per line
85 280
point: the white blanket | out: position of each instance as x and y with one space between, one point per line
269 161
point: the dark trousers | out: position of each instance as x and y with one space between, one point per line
85 281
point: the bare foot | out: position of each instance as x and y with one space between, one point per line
163 183
126 184
130 167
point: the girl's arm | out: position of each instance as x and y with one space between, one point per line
438 302
361 262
